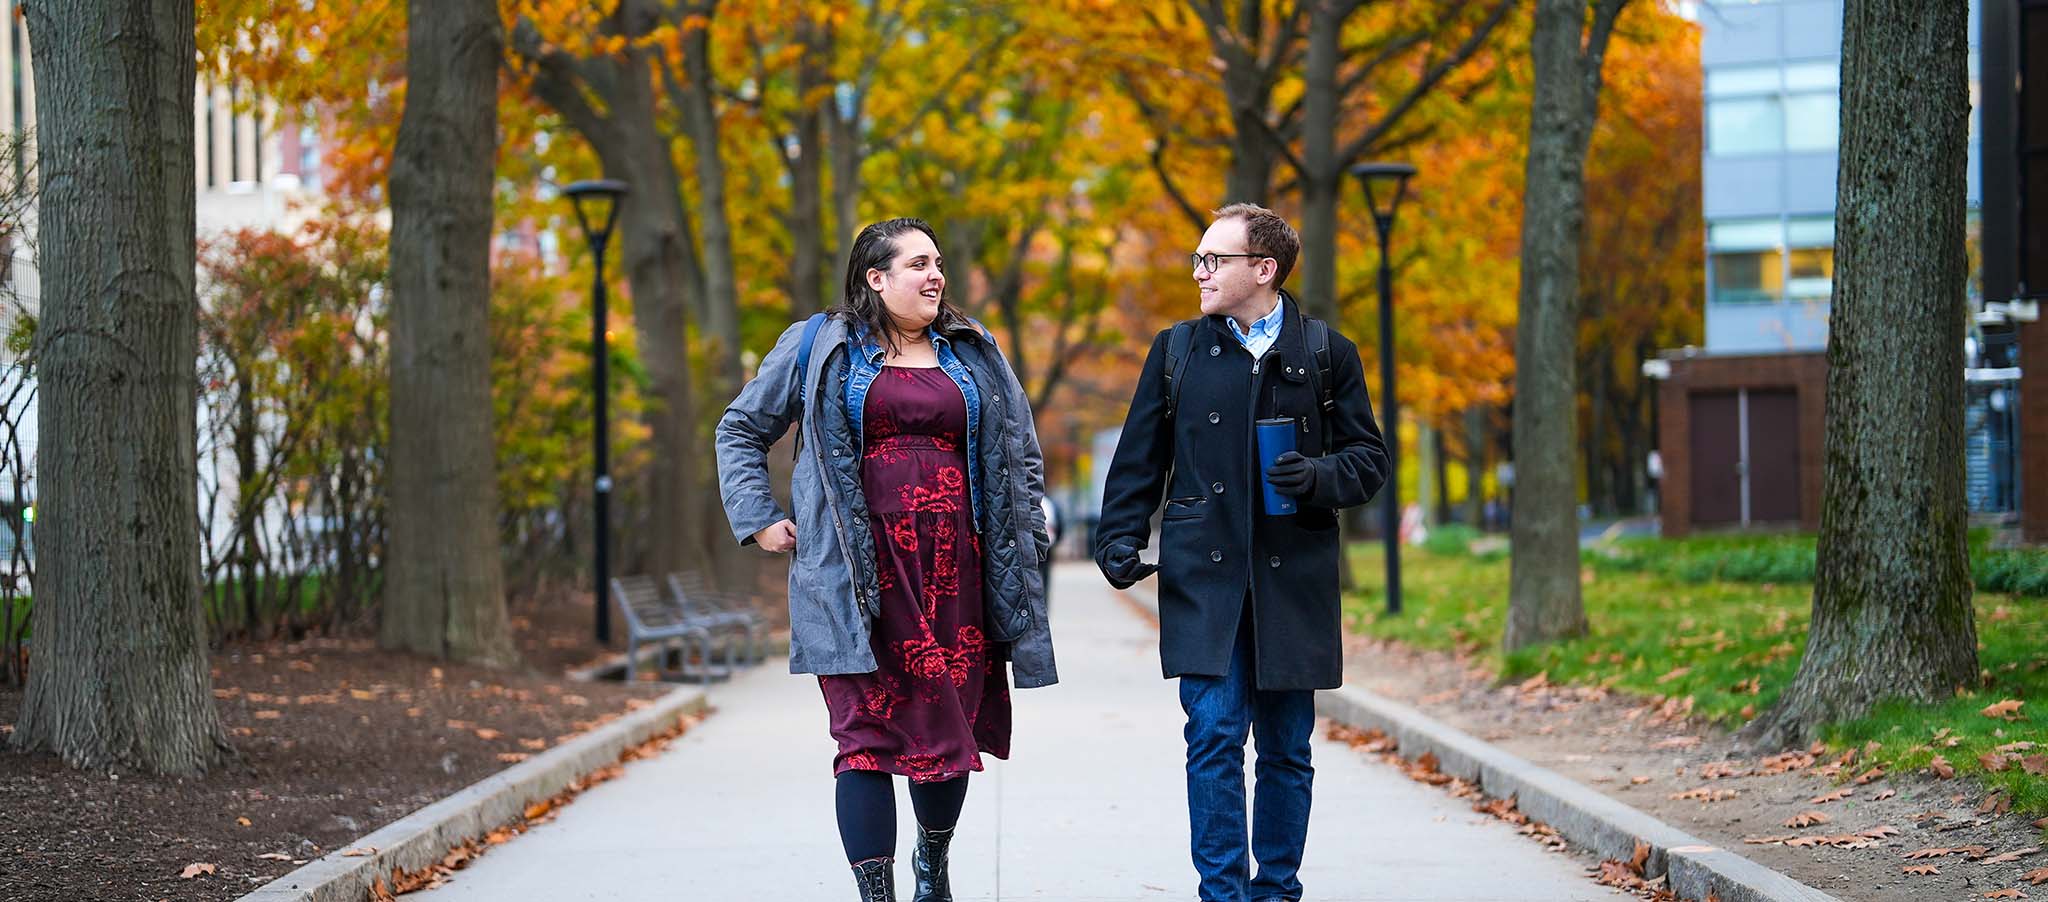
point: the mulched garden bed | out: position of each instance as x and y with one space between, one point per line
1827 820
335 739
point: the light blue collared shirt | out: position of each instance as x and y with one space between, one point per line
1263 332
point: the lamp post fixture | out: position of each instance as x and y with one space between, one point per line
597 208
1385 185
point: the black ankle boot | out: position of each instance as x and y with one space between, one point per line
928 864
876 878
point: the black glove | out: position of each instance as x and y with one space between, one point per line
1292 474
1120 564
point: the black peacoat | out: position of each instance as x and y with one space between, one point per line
1220 553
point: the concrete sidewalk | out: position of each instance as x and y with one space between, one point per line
1093 806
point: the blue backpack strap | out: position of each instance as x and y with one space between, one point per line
803 373
803 354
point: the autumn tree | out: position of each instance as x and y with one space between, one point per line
1568 50
444 593
119 676
1891 596
607 93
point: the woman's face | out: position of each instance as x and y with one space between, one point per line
914 282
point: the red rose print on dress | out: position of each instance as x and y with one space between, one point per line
861 761
903 532
925 658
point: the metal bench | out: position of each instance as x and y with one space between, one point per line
721 610
652 617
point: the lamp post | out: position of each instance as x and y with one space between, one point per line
1388 183
597 201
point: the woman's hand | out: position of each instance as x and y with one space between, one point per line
779 536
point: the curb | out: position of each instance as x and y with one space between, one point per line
421 838
1694 868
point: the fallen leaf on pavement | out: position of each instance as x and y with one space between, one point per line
487 734
1835 796
1806 819
1884 795
195 869
1638 780
2014 855
274 856
2013 893
1880 831
1935 852
1921 870
1769 840
539 808
1996 803
1678 742
1704 794
2036 876
1641 857
1941 767
1867 776
359 851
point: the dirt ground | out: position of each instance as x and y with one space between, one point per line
1653 757
335 738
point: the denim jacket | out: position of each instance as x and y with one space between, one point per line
834 590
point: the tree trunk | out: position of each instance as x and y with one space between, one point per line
119 676
1543 585
847 153
661 271
1320 175
808 291
1442 467
1426 471
721 324
1891 595
1475 466
246 555
445 595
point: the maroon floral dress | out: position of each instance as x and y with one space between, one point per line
939 697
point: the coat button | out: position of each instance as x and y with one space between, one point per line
1215 418
1273 561
1216 556
1215 350
1216 487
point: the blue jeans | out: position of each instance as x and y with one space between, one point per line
1221 711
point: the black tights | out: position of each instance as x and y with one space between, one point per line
866 801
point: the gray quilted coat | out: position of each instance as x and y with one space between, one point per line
833 593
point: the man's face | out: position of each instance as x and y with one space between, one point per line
1238 283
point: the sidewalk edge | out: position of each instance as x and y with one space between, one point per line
1588 818
420 839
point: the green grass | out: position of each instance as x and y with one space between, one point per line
1789 558
1731 647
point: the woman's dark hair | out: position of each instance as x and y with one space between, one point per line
874 248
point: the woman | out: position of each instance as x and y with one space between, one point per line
917 536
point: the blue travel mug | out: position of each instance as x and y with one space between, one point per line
1276 437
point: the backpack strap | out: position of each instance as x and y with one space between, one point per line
803 356
803 373
1318 336
1179 343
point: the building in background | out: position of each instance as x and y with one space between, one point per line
255 166
1740 419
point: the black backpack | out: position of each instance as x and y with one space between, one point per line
1180 342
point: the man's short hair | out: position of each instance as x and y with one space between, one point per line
1267 235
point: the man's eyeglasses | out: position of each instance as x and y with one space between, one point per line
1208 262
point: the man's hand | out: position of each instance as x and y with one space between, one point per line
779 536
1120 564
1292 474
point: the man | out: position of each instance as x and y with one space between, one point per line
1248 600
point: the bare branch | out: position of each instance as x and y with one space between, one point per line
1429 80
